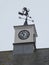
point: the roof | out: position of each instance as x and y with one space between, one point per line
6 57
39 57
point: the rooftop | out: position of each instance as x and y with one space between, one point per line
39 57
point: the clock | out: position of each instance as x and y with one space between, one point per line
24 34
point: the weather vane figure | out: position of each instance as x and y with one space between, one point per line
25 13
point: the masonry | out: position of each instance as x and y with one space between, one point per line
24 50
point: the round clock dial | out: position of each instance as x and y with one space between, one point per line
24 34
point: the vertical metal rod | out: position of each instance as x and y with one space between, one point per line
25 23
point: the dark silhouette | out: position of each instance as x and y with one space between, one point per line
25 12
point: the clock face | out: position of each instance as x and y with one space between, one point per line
24 34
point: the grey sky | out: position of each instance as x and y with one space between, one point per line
39 10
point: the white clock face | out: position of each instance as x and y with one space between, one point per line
24 34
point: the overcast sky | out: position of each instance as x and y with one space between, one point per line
39 11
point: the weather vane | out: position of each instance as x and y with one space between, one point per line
25 12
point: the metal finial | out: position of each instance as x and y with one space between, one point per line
25 13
